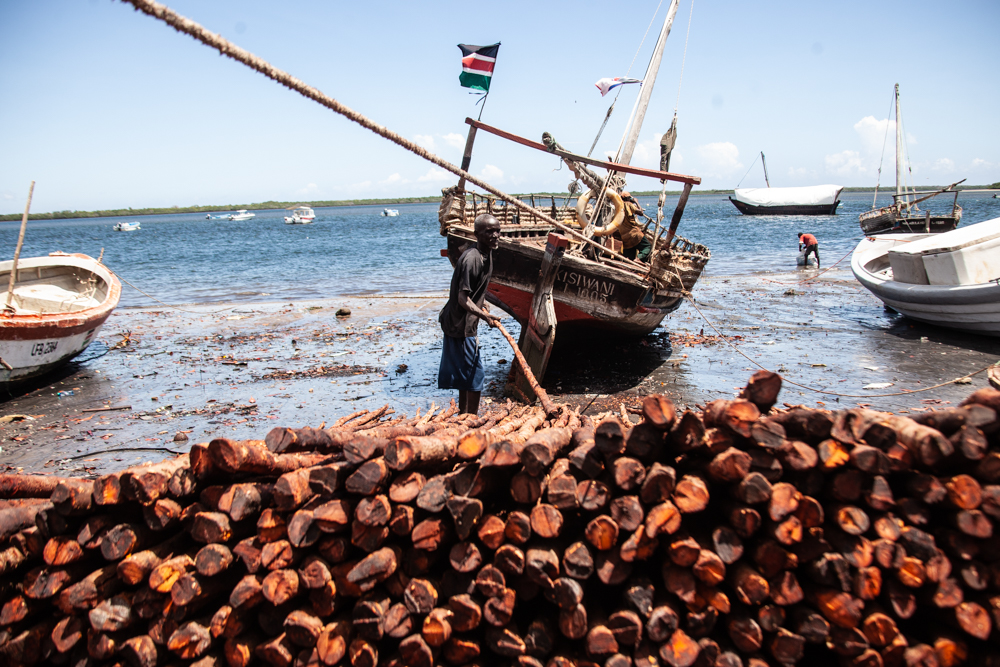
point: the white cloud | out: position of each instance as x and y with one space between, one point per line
846 163
721 158
491 173
425 140
799 172
980 163
435 175
874 133
311 188
394 178
6 195
944 165
363 185
454 140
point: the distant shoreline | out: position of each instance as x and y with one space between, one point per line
278 205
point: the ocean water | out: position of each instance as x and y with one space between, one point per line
184 258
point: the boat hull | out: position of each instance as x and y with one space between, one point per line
794 209
888 220
603 299
970 308
32 343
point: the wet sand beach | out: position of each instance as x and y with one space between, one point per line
160 379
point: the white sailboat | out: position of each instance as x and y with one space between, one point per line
904 214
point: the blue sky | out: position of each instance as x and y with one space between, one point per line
105 107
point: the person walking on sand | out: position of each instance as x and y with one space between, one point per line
461 365
811 245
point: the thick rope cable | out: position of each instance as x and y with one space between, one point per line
227 48
690 299
687 37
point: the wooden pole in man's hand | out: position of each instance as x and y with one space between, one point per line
547 404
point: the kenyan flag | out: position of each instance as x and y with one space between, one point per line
477 65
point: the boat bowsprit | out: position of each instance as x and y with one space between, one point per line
58 306
950 279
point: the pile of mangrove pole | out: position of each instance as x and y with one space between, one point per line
738 535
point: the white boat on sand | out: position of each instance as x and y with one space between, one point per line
950 279
302 215
127 226
241 214
59 304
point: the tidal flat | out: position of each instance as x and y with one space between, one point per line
160 379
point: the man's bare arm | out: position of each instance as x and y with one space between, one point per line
466 302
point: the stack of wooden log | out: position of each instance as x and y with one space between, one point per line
737 535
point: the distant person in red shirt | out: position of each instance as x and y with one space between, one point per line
809 242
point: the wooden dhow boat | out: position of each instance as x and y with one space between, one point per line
57 307
561 265
950 279
804 200
904 214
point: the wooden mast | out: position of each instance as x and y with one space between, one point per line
647 87
766 180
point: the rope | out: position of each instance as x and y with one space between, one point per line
227 48
684 59
799 282
885 137
690 298
168 305
748 171
620 88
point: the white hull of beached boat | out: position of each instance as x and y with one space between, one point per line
60 303
899 270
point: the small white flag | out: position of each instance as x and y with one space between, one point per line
605 85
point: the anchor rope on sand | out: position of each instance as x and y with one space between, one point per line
690 298
799 282
227 48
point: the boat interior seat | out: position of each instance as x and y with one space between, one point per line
48 298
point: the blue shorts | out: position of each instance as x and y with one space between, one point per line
461 366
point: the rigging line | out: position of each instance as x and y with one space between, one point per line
684 59
881 159
168 305
748 170
611 108
690 299
799 282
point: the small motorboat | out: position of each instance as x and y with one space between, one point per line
302 215
950 279
390 212
127 226
241 214
58 305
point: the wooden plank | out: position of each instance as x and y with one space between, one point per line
624 168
